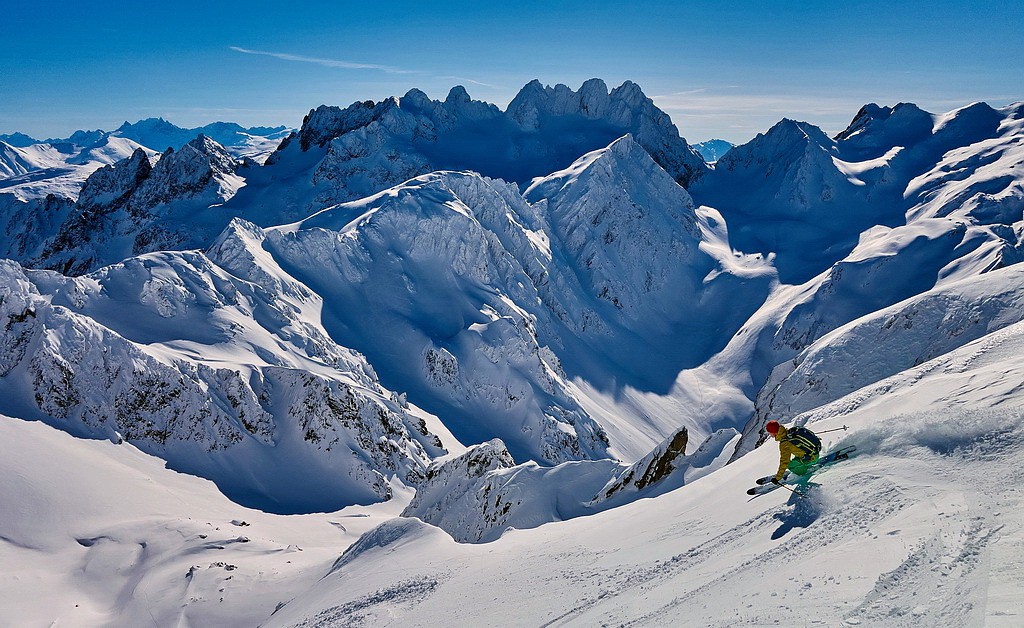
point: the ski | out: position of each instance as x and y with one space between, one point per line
762 489
764 484
835 456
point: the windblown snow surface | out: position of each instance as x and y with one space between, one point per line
362 383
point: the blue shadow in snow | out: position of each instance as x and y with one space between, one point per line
804 510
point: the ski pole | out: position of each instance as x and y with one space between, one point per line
797 493
844 428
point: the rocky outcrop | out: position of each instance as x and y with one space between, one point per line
477 496
371 146
653 468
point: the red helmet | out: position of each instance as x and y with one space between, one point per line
772 427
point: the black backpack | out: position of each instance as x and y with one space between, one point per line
803 438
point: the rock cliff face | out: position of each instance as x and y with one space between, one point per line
651 469
371 146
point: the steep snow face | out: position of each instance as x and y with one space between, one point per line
447 292
30 226
787 192
490 301
982 183
221 378
640 278
907 334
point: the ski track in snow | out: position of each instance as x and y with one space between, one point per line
404 595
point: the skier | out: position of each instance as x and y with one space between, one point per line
798 449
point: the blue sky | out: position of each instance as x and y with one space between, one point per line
720 69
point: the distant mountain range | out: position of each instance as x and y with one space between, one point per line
712 150
31 168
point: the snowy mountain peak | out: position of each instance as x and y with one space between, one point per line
977 118
622 105
788 146
457 95
415 99
148 125
111 185
630 93
788 130
620 159
875 130
712 150
871 115
327 122
216 155
17 139
593 93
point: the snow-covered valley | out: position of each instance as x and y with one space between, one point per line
439 357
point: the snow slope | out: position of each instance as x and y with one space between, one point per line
104 535
923 527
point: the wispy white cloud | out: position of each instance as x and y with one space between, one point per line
463 79
352 65
329 63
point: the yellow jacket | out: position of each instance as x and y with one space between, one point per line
787 451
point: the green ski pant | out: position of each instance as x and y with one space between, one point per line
800 466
